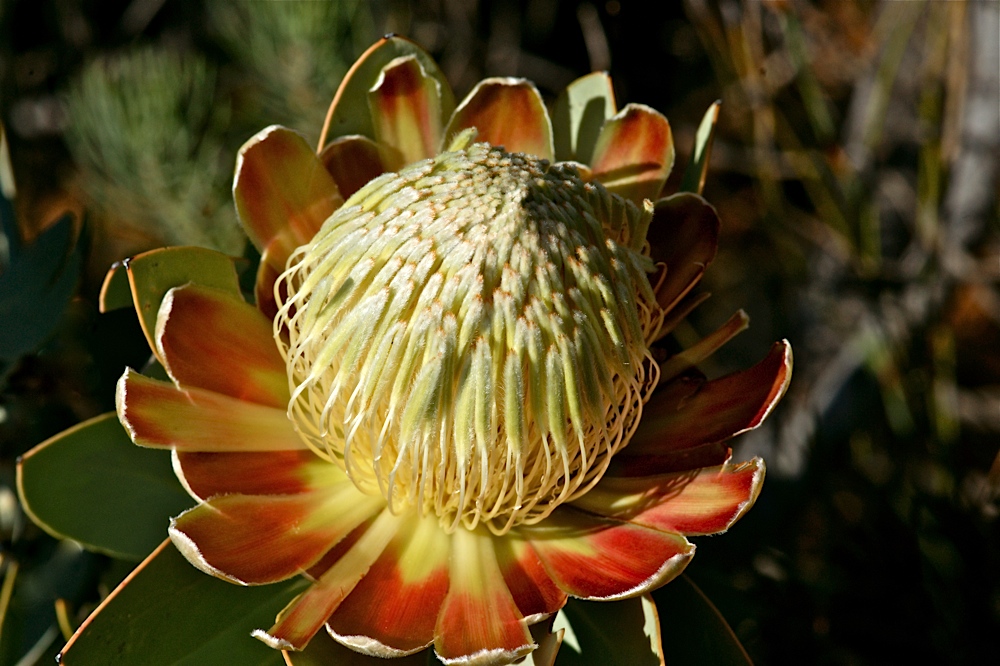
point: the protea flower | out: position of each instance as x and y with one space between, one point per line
448 408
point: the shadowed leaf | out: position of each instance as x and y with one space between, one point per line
615 633
168 612
36 284
694 632
91 484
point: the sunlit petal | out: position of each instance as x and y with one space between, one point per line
393 609
594 558
406 112
479 622
283 194
211 339
349 114
208 474
634 153
305 615
256 539
506 112
578 115
159 415
703 501
534 591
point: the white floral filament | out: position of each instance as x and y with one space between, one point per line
470 335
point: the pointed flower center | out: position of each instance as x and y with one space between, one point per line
469 336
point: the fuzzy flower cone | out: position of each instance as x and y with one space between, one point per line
448 408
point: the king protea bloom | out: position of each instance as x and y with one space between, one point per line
448 409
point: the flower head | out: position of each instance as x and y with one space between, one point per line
448 409
438 327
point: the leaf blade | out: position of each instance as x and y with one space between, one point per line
578 115
615 633
91 484
167 612
697 168
700 633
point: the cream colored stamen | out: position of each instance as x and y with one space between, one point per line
470 335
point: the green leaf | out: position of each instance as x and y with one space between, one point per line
152 274
350 112
38 279
694 630
694 175
169 613
610 633
92 484
578 115
36 283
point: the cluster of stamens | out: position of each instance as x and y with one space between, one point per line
469 336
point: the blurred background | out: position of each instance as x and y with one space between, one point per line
855 169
